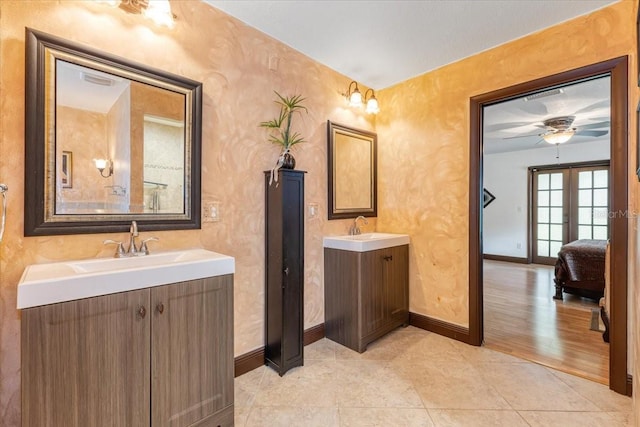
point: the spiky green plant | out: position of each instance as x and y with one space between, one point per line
281 125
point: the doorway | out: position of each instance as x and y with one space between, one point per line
617 69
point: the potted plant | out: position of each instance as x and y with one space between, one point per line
281 128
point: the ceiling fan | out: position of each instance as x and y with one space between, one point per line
558 130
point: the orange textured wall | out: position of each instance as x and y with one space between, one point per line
231 60
424 150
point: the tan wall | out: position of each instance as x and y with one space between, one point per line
231 60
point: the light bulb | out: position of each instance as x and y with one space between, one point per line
372 106
559 137
159 11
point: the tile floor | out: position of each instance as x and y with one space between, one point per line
416 378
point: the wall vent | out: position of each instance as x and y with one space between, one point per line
544 94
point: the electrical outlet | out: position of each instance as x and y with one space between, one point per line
211 212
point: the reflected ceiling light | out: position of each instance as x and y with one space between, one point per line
102 164
371 102
559 137
159 11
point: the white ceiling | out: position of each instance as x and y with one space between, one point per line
73 89
381 43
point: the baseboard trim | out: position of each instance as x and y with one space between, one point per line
255 358
313 334
629 385
504 258
439 327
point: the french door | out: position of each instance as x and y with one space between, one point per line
569 203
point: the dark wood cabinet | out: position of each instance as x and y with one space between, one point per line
366 294
284 270
160 356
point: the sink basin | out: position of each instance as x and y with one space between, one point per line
366 242
68 280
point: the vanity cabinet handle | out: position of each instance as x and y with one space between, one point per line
388 258
160 308
286 271
142 312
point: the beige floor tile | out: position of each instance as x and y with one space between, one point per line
430 346
246 386
527 386
371 383
476 354
289 416
384 417
574 419
240 415
322 349
455 385
599 394
476 418
387 347
314 384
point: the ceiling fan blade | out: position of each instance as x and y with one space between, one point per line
522 136
503 126
593 133
595 125
600 104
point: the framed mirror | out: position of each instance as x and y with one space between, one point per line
352 172
108 141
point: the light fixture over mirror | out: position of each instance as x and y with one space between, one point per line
371 102
159 11
355 99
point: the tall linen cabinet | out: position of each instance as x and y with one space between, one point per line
284 269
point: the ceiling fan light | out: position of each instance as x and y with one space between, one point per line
559 137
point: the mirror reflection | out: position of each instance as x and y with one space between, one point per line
120 144
352 172
108 141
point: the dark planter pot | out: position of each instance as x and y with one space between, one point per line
288 162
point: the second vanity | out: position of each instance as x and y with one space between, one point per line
366 280
128 342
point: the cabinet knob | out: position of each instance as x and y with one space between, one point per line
142 311
160 308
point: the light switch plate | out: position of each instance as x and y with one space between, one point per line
313 210
211 211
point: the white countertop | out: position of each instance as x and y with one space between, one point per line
365 242
50 283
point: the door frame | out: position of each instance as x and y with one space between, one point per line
617 68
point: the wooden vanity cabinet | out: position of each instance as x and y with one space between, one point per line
366 294
161 356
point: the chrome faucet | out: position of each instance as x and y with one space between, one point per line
354 230
133 249
133 233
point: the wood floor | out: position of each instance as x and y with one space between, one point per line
522 319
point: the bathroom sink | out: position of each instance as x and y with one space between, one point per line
68 280
366 242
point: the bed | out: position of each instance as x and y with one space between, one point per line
580 269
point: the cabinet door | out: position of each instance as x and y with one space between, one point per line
396 278
192 350
86 362
372 290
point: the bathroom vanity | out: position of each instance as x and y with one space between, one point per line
366 282
128 342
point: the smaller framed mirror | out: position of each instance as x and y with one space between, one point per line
352 171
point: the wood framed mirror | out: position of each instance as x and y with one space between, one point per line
352 172
108 141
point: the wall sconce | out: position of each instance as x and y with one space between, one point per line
355 99
159 11
371 102
102 164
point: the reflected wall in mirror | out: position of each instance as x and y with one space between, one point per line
352 172
135 135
